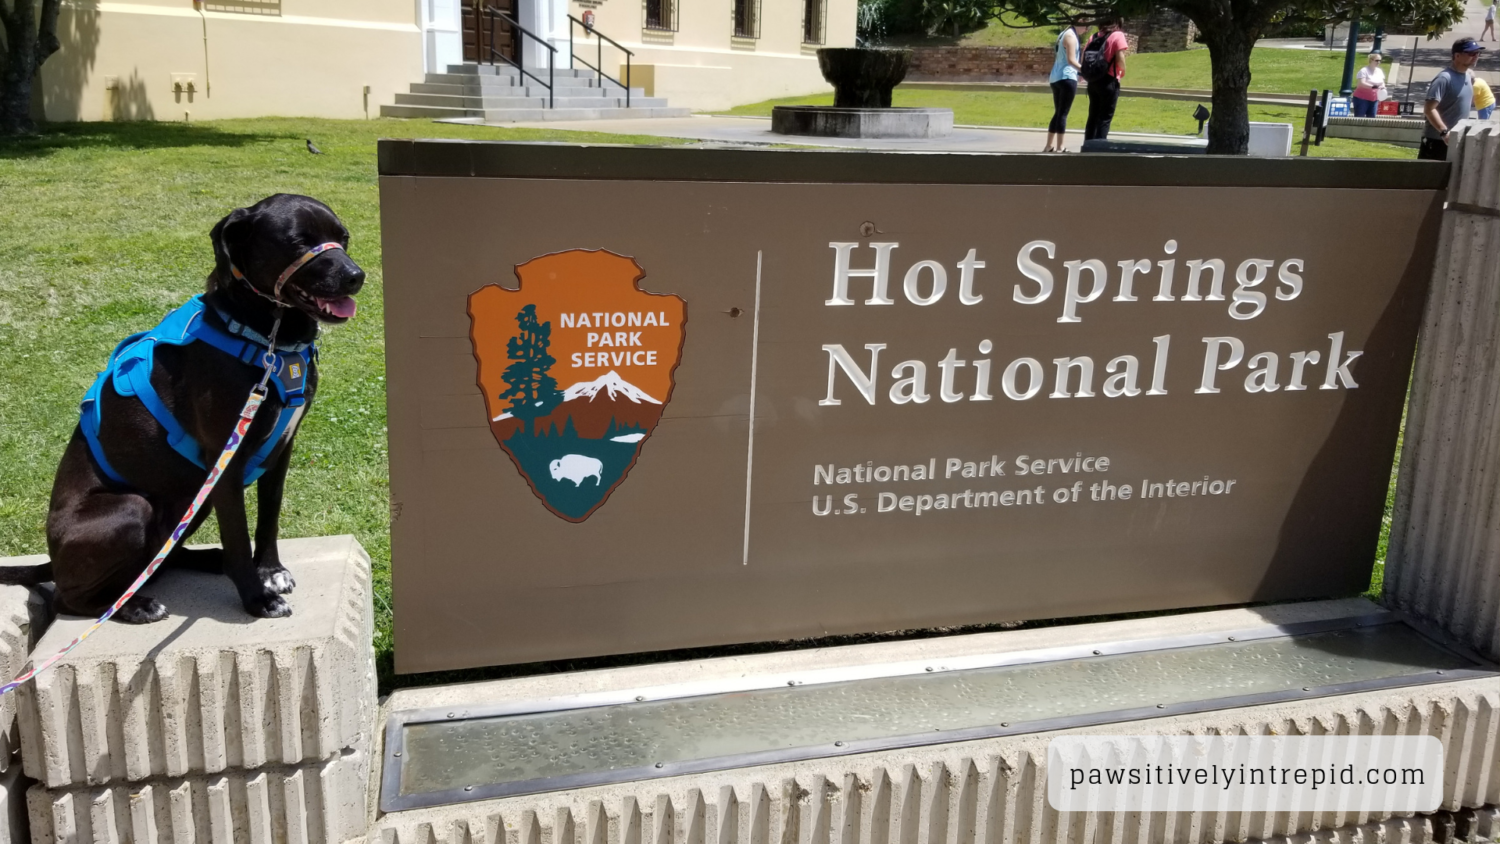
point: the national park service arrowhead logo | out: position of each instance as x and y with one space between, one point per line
576 367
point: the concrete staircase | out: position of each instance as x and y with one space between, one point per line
500 94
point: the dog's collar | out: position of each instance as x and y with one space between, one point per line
245 332
286 274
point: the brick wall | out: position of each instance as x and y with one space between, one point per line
985 64
980 64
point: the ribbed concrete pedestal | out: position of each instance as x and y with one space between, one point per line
991 791
1444 559
320 803
24 615
20 611
211 725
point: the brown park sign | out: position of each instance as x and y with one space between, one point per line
983 388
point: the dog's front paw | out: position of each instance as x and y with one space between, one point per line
268 605
278 580
141 609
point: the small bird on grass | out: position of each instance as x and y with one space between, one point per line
313 148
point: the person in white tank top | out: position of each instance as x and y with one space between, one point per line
1064 82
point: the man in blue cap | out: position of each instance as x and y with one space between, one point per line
1449 99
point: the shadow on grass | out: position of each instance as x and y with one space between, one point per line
56 137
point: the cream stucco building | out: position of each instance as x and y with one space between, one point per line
177 59
711 54
180 59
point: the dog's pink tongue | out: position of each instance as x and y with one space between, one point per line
342 307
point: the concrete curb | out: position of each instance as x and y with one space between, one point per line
322 803
210 689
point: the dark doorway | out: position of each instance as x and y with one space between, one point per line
478 28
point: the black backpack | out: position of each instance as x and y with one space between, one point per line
1094 66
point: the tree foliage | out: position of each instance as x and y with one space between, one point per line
953 17
28 37
531 389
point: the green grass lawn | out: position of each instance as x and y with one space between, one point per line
1010 31
1134 114
1272 70
104 228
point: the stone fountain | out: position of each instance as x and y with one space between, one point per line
862 79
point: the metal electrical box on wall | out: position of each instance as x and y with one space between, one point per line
983 388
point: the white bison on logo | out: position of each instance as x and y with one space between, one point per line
576 467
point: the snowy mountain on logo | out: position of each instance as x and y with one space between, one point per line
606 406
612 385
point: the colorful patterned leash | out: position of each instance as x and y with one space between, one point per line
236 437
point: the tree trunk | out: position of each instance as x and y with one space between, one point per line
1229 58
27 45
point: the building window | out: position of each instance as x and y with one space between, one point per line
661 15
746 18
245 7
813 13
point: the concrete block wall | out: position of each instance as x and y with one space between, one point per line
1444 560
211 725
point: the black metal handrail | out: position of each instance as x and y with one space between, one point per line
598 66
520 61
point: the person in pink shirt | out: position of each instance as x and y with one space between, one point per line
1104 83
1371 85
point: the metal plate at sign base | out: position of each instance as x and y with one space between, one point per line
576 367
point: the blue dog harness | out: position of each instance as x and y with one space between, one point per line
130 367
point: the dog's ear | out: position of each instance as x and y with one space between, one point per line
229 237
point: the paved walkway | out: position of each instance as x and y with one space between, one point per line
757 131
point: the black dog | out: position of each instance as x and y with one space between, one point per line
103 530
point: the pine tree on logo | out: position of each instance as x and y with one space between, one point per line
532 392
